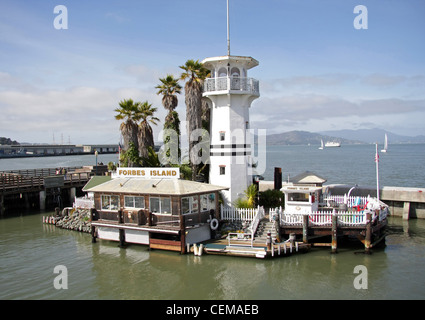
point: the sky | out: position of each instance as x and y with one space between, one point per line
317 70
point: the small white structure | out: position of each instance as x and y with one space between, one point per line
301 199
230 92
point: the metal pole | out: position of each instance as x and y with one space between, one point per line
228 30
377 172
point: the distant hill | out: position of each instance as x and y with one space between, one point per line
8 141
373 136
304 138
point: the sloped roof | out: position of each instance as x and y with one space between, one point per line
155 186
94 181
308 177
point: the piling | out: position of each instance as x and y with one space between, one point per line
334 233
182 234
406 211
121 231
368 238
305 229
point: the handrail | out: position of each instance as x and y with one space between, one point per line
250 85
255 222
324 218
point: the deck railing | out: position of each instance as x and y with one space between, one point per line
245 85
350 201
238 214
324 218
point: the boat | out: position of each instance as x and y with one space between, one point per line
321 145
313 213
332 144
385 144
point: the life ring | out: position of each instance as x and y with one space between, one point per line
214 224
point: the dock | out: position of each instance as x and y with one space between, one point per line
241 249
43 188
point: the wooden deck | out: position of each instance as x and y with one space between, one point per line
242 248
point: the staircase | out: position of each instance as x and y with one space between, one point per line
263 228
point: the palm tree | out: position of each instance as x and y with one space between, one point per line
195 74
145 114
129 130
169 87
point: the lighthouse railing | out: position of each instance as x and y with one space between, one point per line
246 85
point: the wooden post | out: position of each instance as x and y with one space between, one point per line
368 238
121 231
93 217
42 197
182 234
2 208
305 228
149 219
269 241
334 233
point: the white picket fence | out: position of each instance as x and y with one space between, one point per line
324 218
238 214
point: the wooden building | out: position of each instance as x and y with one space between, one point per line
164 213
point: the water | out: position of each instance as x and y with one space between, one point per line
29 250
402 166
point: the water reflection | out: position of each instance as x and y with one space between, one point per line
30 250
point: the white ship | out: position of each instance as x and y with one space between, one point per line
331 144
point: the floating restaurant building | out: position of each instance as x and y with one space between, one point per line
163 212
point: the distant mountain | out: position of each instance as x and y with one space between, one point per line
373 136
304 138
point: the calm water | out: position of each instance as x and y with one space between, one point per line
29 250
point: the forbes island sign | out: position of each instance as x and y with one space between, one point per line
149 173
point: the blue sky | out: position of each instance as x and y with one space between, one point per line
317 72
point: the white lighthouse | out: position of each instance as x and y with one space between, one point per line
230 92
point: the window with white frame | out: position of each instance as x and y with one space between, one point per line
134 202
110 202
190 205
160 205
207 202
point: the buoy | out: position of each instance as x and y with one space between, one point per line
214 224
195 249
201 249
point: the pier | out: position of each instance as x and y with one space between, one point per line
43 188
44 150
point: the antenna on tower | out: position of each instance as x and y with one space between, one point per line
228 30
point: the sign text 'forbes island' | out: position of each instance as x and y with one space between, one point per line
149 173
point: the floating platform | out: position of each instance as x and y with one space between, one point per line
221 247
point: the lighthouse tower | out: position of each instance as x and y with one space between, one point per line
230 93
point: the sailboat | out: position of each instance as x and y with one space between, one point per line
321 146
385 144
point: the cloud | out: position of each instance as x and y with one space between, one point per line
84 113
299 110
